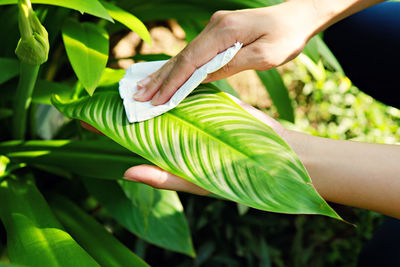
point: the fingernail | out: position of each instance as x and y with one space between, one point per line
143 83
139 93
155 98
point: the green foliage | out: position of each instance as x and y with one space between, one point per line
161 221
209 140
92 7
278 93
9 69
87 49
4 161
34 235
106 220
129 20
98 159
90 234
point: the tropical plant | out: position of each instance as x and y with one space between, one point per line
47 187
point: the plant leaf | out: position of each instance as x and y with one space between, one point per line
98 159
3 165
142 196
316 49
111 76
92 236
9 68
278 92
166 223
44 89
87 49
211 141
129 20
92 7
225 86
34 236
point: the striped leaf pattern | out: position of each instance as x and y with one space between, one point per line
211 141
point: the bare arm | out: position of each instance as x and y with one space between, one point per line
357 174
271 36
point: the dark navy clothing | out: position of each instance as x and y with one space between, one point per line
367 45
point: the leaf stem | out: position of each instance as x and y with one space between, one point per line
22 99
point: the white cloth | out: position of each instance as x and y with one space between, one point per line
140 111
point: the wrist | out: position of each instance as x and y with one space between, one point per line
317 15
307 19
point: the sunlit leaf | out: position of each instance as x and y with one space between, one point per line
164 224
111 76
92 7
34 236
3 165
44 89
224 85
87 49
317 49
278 92
129 20
99 159
211 141
92 236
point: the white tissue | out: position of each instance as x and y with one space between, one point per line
140 111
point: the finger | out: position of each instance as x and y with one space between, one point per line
180 72
196 54
149 86
90 128
251 56
158 178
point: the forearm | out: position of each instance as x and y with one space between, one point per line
357 174
320 14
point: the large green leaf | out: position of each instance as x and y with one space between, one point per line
92 7
34 236
87 49
99 159
9 68
92 236
129 20
161 221
211 141
278 92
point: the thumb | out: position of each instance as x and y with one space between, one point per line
249 57
161 179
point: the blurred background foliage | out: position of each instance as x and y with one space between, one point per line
324 103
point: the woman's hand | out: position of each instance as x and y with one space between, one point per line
271 36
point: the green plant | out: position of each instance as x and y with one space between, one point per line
50 190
